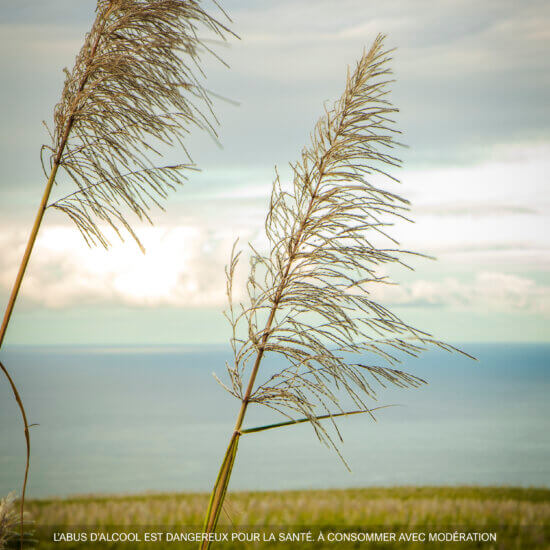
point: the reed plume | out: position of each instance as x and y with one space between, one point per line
309 298
135 88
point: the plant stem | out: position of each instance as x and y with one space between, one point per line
46 196
23 267
222 481
28 444
220 487
5 323
27 254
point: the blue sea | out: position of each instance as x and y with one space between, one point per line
128 420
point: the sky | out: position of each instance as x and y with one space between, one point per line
471 82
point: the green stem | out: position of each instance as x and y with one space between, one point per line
303 420
220 488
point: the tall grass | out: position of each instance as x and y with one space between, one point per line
404 506
519 516
309 296
133 89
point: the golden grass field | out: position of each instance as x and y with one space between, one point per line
519 517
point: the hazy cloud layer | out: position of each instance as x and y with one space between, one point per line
472 82
487 292
469 75
490 232
185 268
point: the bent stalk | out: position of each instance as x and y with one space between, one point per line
28 445
107 152
222 482
17 286
328 237
5 323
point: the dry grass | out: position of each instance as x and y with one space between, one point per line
309 297
520 516
8 520
403 506
135 87
133 90
329 232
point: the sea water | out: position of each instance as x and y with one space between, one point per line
127 420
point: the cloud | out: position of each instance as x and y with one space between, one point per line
474 209
489 218
491 215
488 292
468 74
184 267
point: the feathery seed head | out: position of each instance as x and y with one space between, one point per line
308 298
133 90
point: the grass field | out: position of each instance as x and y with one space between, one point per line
520 518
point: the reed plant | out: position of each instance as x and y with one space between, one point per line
309 297
134 90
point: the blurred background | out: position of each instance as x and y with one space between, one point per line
471 83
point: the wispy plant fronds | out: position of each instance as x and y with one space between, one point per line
133 91
134 88
310 298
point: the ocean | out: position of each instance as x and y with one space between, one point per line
129 420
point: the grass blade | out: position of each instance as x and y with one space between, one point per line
316 419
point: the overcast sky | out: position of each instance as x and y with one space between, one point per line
472 86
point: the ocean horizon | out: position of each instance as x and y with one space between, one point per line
152 418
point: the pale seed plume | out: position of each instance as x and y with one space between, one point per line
309 297
135 88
